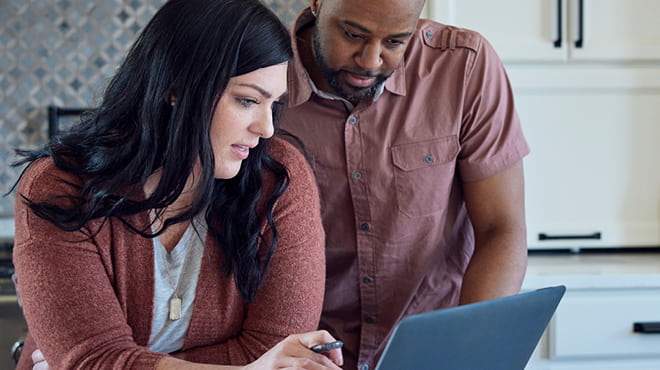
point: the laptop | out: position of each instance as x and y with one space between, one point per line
500 334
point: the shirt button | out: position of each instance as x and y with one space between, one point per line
429 159
367 280
357 175
364 226
364 367
370 319
352 120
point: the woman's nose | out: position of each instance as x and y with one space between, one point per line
263 125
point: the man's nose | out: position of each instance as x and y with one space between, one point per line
369 57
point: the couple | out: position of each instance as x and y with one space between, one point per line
173 229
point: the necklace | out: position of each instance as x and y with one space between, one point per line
175 302
186 246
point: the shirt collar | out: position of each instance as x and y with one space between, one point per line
301 87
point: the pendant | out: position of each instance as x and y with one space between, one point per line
175 308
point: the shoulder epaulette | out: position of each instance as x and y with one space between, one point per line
450 37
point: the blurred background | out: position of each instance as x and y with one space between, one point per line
62 52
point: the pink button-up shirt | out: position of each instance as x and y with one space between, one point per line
398 234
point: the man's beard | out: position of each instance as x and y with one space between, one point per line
355 94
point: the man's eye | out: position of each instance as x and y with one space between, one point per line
395 42
352 36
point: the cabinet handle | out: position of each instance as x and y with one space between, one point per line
558 41
647 327
580 15
54 114
544 236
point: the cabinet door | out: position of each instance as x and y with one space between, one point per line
615 30
548 30
520 30
592 178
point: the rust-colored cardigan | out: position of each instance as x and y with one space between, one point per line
89 304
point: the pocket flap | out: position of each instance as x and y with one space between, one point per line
412 156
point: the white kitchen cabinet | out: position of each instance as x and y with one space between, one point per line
592 178
593 327
590 113
560 30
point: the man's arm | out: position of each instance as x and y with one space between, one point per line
496 209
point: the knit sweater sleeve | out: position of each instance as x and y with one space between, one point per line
72 310
291 298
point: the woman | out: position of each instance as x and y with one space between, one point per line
167 222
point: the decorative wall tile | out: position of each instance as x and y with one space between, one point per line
63 52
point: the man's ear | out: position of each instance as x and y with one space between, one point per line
314 6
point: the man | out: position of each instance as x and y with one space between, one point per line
411 130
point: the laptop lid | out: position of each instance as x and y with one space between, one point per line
500 334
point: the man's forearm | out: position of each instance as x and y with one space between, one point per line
496 269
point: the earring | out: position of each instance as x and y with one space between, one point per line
172 103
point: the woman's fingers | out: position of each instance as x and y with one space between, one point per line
294 352
314 338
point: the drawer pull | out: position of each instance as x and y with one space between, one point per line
647 327
592 236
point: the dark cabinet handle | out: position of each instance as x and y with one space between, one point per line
594 236
558 41
647 327
55 113
580 39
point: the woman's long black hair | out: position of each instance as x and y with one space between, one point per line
189 50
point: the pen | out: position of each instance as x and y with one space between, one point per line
327 346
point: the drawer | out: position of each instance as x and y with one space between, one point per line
599 324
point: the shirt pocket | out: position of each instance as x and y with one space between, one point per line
423 174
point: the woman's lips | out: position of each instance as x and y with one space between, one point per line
241 151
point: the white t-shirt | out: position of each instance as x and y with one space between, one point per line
176 271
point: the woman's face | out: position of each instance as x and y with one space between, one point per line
243 115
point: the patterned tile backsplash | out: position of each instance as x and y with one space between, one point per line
62 52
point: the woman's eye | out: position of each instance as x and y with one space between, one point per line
276 107
246 102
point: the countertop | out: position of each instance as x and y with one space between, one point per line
590 269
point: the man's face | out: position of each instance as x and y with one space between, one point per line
358 43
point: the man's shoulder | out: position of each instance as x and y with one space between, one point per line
438 36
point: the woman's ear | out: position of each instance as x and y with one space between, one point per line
170 98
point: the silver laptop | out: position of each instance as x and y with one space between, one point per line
500 334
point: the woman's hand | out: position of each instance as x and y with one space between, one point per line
294 352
